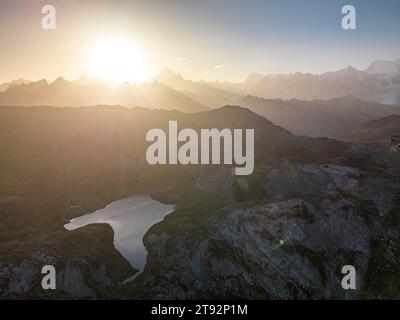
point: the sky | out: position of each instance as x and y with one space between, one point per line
202 39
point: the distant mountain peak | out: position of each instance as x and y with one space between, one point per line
38 84
85 80
13 83
384 67
350 69
34 85
83 77
59 80
253 78
168 75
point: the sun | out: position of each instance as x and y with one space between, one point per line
117 60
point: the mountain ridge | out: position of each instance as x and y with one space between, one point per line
62 92
333 118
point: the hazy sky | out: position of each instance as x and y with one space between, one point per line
209 39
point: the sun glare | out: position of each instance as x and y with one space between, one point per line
117 60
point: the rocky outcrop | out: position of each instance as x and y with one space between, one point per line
87 266
290 246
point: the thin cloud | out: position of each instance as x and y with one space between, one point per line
219 66
180 59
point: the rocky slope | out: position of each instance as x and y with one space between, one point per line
288 244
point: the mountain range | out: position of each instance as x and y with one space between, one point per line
379 83
84 93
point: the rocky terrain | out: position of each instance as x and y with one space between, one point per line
289 244
284 232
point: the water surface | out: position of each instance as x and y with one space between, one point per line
130 219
